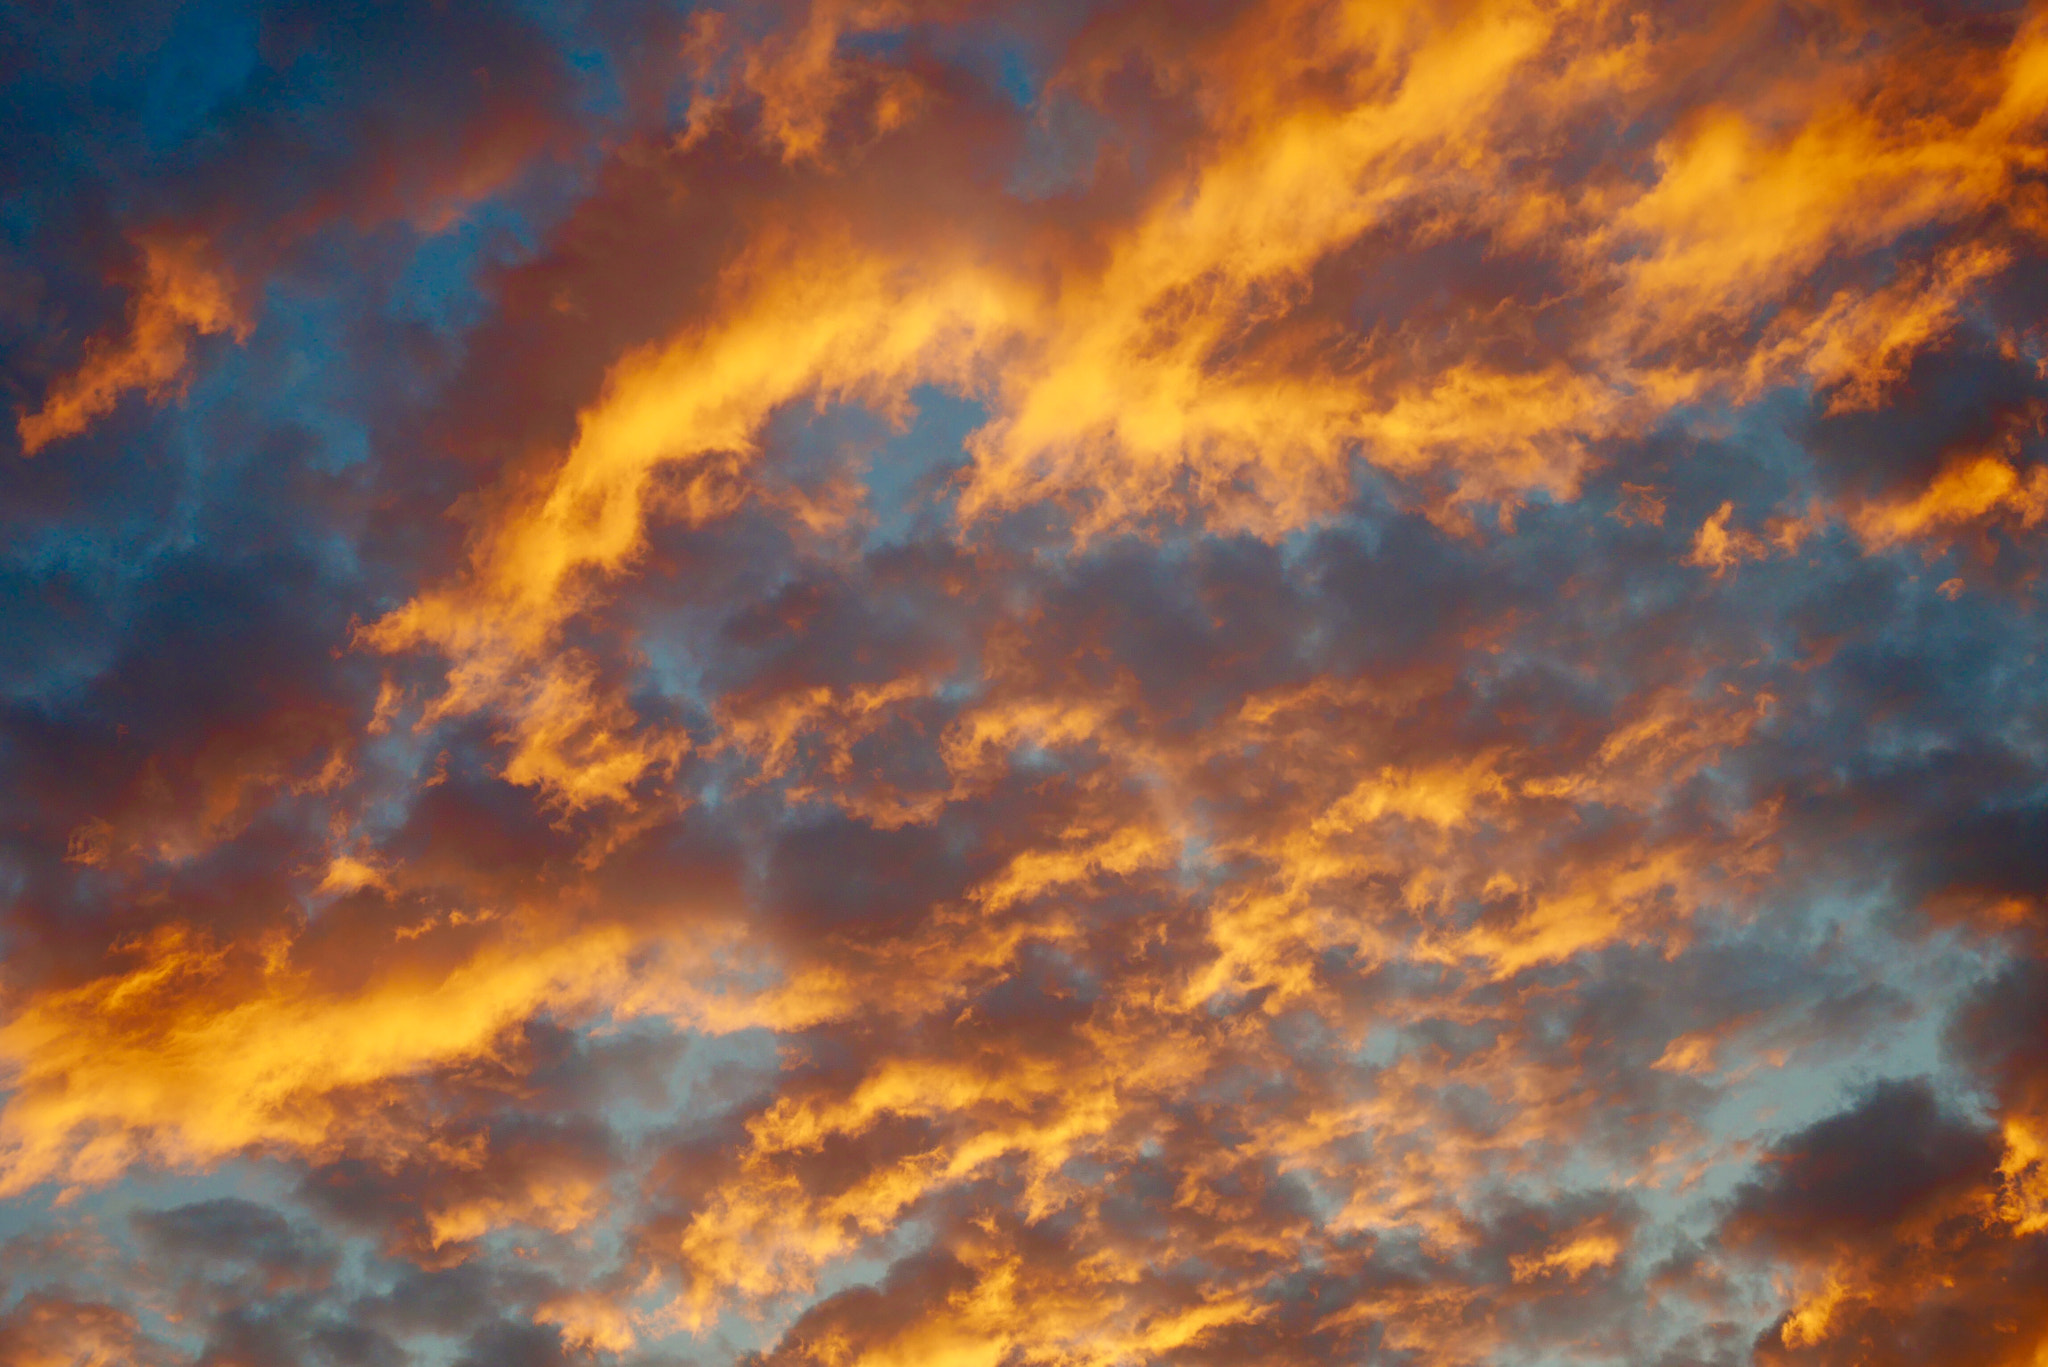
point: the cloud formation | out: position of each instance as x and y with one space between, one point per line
863 683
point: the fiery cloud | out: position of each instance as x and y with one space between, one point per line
874 683
180 297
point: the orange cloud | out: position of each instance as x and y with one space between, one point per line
1247 866
1716 548
1968 490
182 294
1134 386
160 1063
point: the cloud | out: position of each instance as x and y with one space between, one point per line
863 683
179 297
1871 1200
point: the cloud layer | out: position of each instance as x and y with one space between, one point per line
865 682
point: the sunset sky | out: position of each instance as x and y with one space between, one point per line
909 683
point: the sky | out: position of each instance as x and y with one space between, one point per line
912 683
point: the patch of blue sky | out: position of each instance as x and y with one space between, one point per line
206 59
1195 865
909 479
1759 1103
1035 760
1326 1199
107 545
818 437
1979 663
2002 634
120 545
601 95
126 537
711 793
1018 75
960 690
108 1211
441 284
1382 1046
669 665
295 374
1759 432
995 54
96 98
709 1078
100 554
99 99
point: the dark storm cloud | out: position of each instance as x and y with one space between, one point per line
1862 1172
